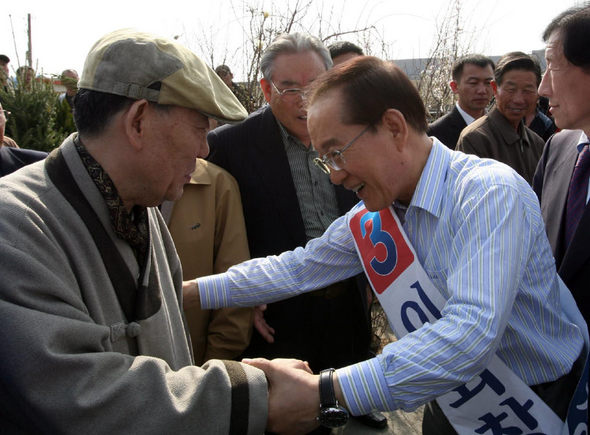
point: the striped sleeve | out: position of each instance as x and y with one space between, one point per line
323 261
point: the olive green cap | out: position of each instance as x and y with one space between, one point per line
140 65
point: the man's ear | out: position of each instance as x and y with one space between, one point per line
135 123
454 86
395 123
266 89
494 86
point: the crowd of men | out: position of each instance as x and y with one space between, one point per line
471 232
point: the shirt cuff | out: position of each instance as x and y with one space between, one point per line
364 387
213 291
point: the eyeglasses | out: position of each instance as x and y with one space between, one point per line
334 159
288 93
5 112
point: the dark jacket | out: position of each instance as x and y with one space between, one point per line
447 128
493 137
543 125
12 159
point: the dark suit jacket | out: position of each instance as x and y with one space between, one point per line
551 182
543 125
253 152
12 159
447 128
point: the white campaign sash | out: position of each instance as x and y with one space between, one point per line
495 400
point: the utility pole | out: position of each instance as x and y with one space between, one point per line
30 44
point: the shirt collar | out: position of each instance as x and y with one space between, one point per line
200 175
288 138
466 116
429 190
583 141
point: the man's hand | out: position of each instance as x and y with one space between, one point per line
293 396
260 324
190 295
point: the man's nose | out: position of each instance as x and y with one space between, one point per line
203 149
337 175
482 88
545 86
300 100
519 97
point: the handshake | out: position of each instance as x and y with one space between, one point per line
298 400
294 396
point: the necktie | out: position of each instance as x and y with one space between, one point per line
576 196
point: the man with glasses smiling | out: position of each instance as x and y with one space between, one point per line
288 201
335 159
454 247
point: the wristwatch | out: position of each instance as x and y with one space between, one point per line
331 413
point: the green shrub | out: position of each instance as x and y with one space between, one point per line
38 120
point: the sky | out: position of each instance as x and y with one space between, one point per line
63 32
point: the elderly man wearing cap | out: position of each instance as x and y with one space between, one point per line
93 336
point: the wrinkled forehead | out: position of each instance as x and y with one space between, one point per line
519 77
324 119
298 67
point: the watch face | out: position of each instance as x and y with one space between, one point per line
333 416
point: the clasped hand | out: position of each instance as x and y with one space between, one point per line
293 395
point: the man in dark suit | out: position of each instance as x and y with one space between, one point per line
472 77
287 201
562 175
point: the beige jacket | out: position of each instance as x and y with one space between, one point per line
207 225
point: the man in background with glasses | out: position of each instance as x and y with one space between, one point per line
288 201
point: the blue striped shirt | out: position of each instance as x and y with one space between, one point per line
477 231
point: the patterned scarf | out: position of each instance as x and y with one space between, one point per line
129 226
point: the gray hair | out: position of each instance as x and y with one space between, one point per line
292 43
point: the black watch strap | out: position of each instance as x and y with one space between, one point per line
327 394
